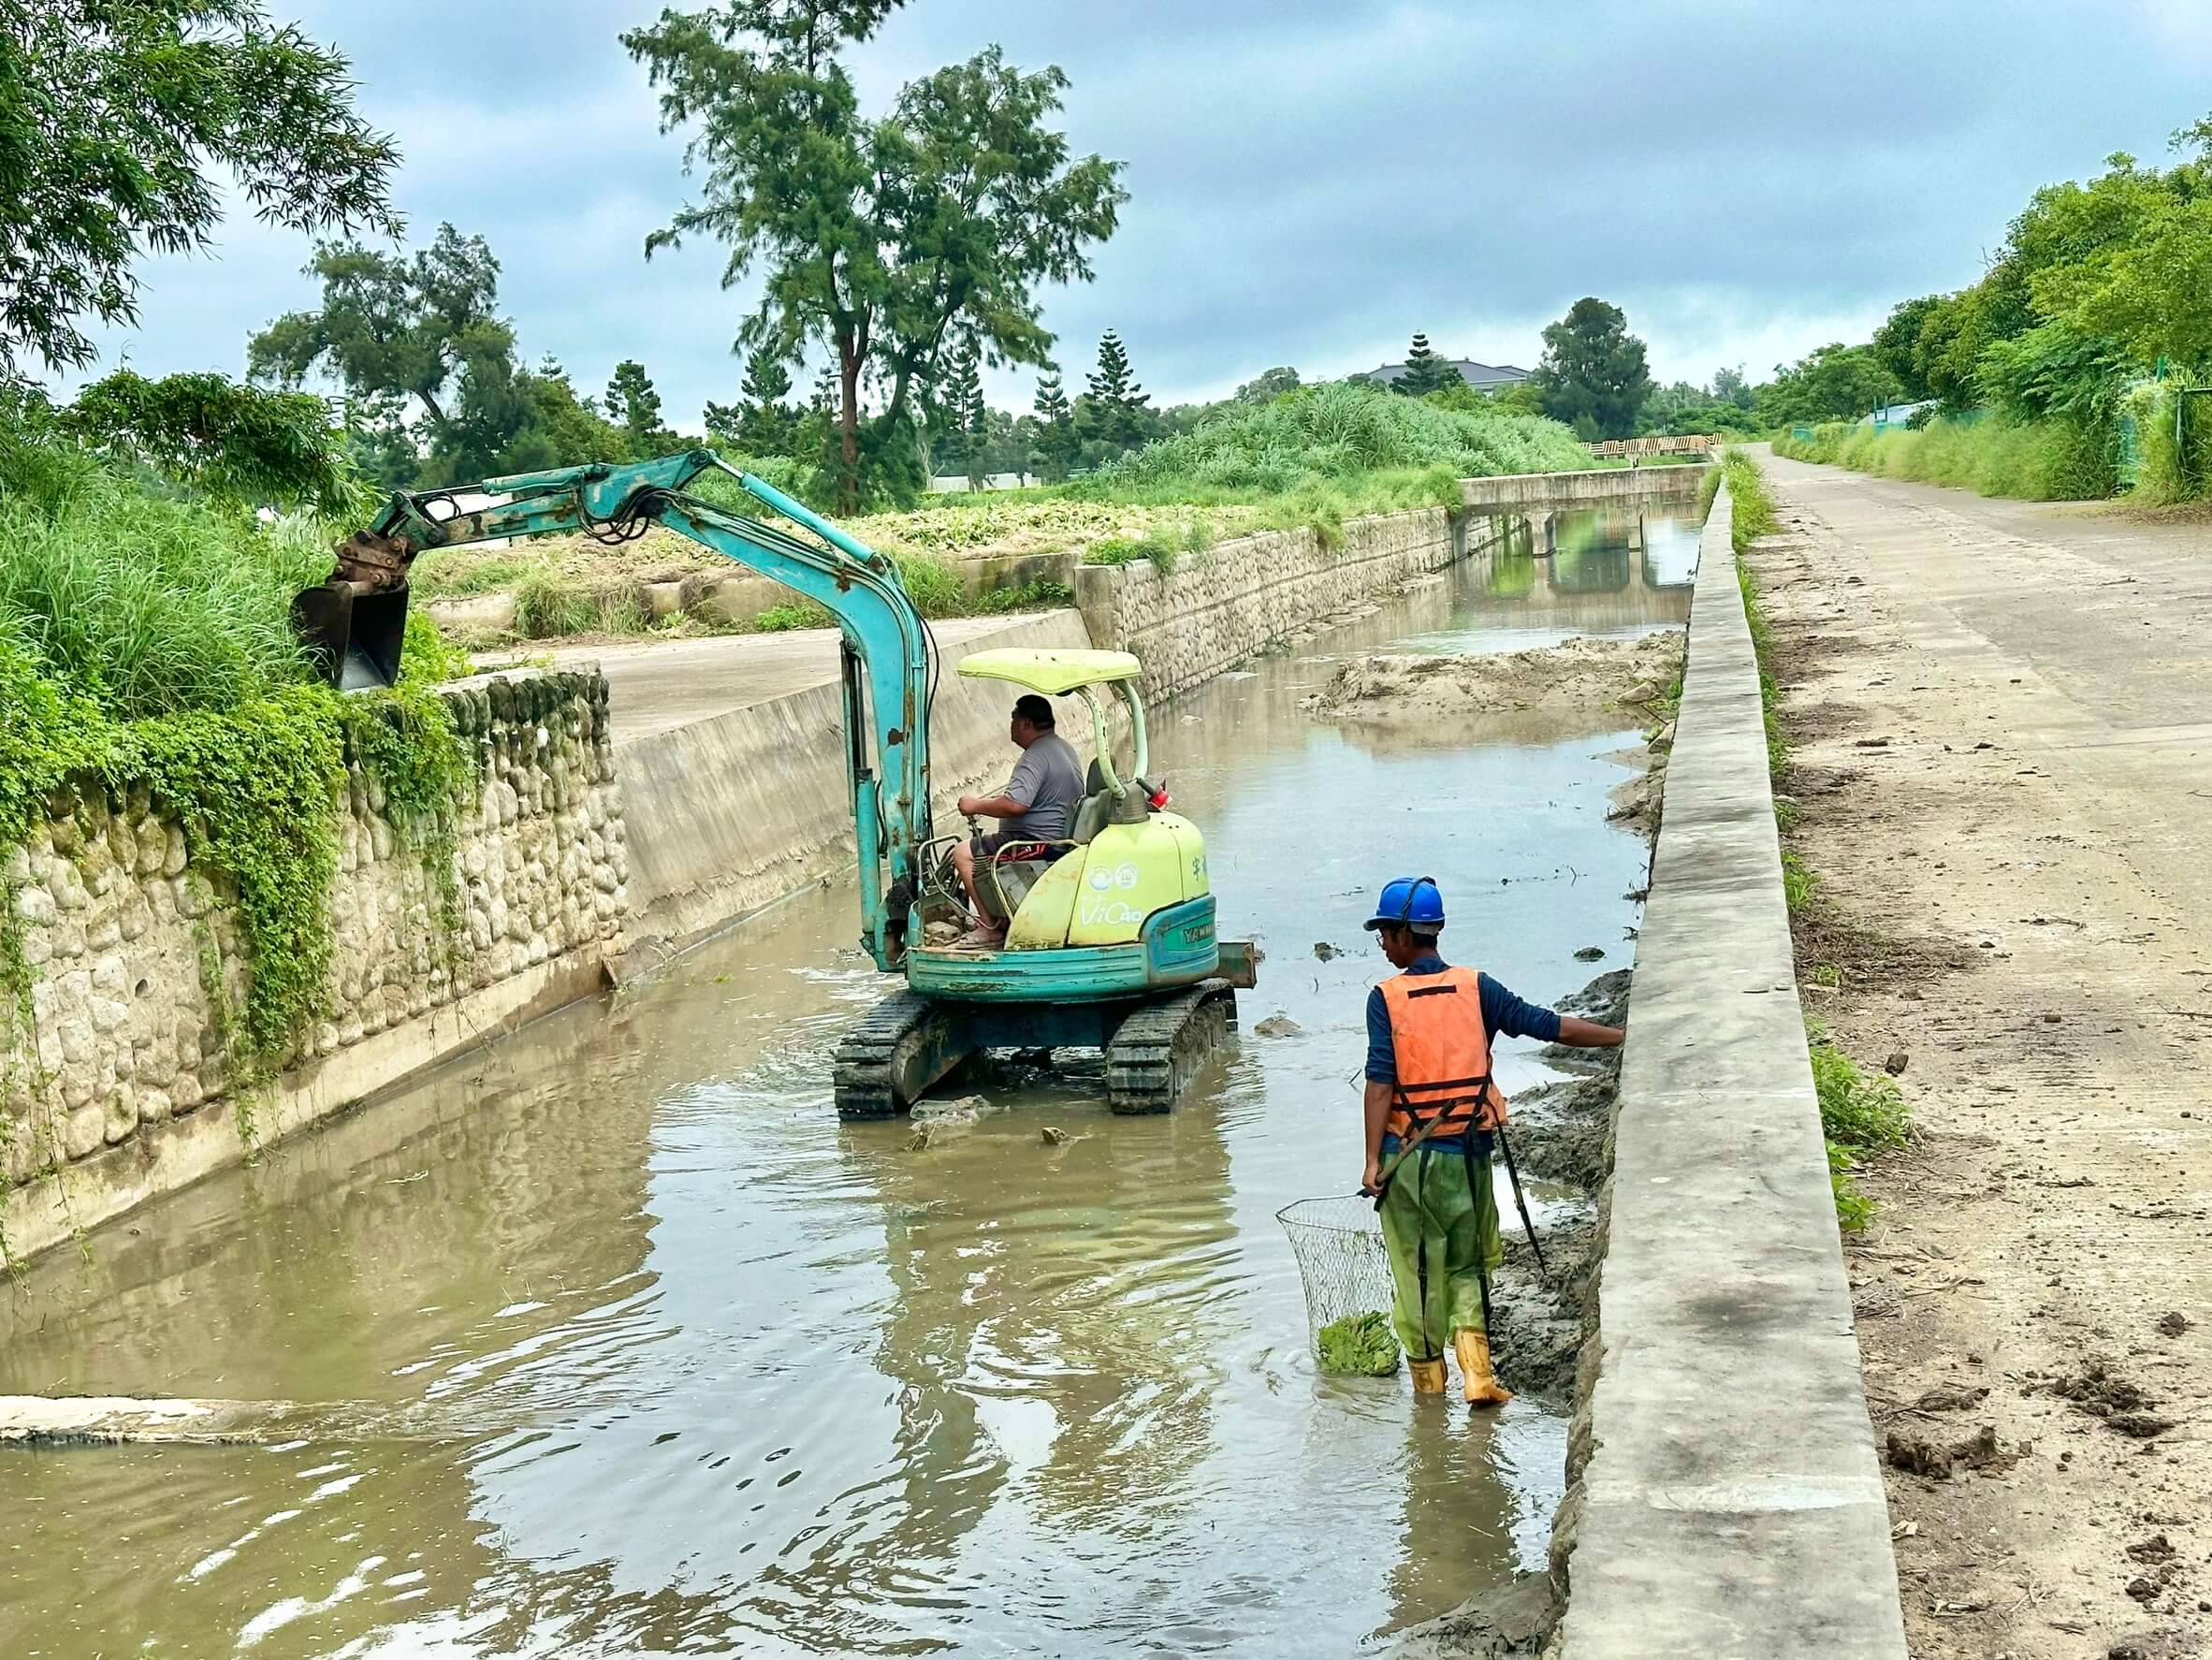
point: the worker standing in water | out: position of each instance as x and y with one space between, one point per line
1429 1027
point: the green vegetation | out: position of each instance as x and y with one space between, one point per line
1359 1345
146 654
113 122
889 238
2078 341
2030 460
1860 1115
1338 436
1753 507
1594 375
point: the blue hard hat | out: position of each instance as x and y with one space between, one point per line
1412 901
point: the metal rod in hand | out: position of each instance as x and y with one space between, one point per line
1520 1204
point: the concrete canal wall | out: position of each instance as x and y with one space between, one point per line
1219 606
125 1088
1725 1498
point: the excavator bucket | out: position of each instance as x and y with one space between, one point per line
354 631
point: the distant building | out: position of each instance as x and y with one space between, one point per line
1484 377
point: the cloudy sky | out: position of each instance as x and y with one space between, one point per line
1312 180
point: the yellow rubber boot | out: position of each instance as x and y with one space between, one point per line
1428 1376
1482 1386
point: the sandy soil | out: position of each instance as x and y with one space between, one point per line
2003 771
1577 678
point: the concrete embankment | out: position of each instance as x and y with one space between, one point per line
127 1086
1724 1493
1217 607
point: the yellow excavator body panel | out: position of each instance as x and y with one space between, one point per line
1100 894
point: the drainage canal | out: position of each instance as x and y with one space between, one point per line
681 1363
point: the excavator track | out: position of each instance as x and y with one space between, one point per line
1158 1049
906 1043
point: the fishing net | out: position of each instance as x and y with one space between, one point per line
1338 1243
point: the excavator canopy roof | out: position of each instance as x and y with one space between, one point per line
1054 671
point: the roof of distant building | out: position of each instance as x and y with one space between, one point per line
1481 376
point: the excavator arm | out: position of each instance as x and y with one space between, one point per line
354 623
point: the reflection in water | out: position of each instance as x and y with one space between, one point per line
1612 572
702 1368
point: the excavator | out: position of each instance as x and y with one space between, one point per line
1109 941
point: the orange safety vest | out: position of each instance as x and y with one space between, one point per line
1443 1054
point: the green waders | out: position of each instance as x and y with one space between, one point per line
1440 1227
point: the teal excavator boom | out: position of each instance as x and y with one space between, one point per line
354 623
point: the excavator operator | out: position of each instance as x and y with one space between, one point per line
1034 807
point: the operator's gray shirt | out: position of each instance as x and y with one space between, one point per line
1047 781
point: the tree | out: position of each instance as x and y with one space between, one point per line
634 407
876 237
1115 407
1425 371
1594 375
236 443
761 424
1058 445
1896 344
1835 383
962 417
390 323
1271 384
110 118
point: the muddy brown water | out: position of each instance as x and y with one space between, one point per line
698 1369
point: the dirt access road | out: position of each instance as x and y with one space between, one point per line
2002 721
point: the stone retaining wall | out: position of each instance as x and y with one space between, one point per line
124 1085
1219 606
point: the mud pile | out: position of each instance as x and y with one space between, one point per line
1579 678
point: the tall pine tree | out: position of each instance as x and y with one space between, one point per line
960 412
1119 413
1425 371
633 405
1056 443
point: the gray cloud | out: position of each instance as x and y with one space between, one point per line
1311 181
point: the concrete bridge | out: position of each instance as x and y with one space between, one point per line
1523 493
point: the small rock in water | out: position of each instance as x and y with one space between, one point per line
1589 953
1277 1025
1324 951
1895 1066
1056 1137
2175 1324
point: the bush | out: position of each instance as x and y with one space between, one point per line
146 645
2052 461
1338 432
144 604
550 605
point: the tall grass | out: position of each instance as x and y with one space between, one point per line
2028 460
1336 434
143 603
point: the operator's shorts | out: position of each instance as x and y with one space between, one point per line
1004 845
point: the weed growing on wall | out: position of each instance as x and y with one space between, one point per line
147 656
1860 1113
